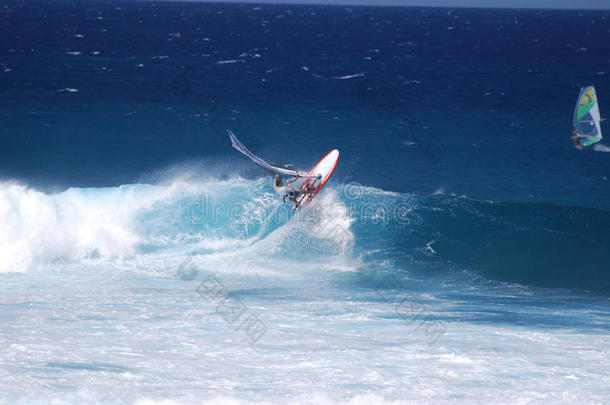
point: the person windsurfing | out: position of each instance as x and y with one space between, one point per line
303 186
586 122
576 139
284 191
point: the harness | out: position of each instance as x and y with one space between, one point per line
305 193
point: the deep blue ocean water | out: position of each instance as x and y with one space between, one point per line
460 253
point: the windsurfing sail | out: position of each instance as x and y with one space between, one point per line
586 118
283 172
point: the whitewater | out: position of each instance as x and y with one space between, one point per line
212 292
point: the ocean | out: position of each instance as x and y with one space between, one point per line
459 254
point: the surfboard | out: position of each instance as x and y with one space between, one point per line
324 170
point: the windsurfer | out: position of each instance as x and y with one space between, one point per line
284 191
575 139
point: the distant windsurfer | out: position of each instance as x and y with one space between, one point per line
575 139
586 119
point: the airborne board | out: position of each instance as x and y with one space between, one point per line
324 169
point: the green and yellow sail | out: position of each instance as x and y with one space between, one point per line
586 117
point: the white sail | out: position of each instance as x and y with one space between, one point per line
287 173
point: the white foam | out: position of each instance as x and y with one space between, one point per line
454 358
312 399
321 233
75 224
598 147
243 222
41 228
348 76
332 221
229 61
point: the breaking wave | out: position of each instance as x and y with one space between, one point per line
239 225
